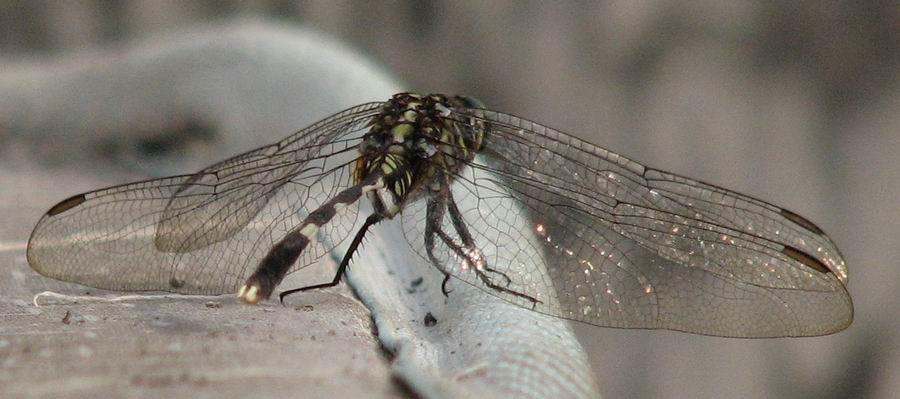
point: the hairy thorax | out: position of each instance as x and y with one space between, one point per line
417 142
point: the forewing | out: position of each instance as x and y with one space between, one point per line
203 233
215 203
628 246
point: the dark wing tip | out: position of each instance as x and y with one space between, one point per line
802 222
66 204
805 259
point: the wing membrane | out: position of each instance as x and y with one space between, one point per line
206 232
628 246
566 228
215 203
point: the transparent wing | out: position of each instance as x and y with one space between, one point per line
206 232
601 239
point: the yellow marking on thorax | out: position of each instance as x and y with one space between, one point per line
401 132
372 187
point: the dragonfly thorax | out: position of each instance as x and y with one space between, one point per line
416 141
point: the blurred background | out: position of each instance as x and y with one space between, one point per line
797 103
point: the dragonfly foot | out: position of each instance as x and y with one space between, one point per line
444 286
497 287
505 277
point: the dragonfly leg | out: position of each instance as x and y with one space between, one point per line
345 262
434 216
463 231
481 271
443 202
444 285
487 281
275 265
505 277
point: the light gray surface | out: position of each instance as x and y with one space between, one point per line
320 345
482 347
479 346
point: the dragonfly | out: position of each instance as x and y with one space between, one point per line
523 212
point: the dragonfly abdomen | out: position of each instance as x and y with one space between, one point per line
275 265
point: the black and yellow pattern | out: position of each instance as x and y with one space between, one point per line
413 139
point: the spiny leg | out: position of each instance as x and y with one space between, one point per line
433 217
275 265
463 230
357 240
439 203
480 270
